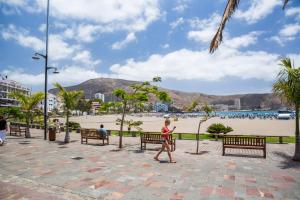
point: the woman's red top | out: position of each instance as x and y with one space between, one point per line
165 133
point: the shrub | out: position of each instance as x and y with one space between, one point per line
219 128
74 125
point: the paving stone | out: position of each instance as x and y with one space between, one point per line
38 169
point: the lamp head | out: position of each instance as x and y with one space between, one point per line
35 57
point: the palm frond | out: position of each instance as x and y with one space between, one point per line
20 97
287 86
285 2
229 10
35 99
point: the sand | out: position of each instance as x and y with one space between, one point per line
190 125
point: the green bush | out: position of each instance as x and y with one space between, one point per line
219 128
74 125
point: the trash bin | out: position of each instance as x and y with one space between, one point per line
52 134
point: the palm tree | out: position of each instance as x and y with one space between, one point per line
229 10
69 99
28 103
287 87
207 110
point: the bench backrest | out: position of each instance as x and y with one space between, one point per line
14 127
92 133
148 136
244 141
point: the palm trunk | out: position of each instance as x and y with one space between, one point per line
27 133
297 137
67 136
198 137
121 126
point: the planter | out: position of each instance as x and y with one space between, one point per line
52 134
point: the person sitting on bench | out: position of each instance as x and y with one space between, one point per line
102 131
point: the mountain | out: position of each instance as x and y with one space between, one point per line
181 99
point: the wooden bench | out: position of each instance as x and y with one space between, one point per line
94 134
15 130
156 138
245 142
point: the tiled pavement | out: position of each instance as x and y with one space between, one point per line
38 169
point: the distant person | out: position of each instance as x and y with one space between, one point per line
102 131
165 136
57 125
3 130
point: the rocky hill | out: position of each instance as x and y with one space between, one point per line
181 99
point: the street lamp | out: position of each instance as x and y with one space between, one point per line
37 56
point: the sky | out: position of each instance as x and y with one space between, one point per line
141 39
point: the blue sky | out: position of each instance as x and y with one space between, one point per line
137 40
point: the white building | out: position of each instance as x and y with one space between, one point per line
52 103
100 96
7 87
161 107
237 103
220 107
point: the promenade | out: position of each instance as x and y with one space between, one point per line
38 169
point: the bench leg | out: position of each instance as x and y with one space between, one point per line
107 140
86 140
103 141
223 154
265 153
141 146
81 140
280 140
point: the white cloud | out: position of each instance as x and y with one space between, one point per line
290 30
22 37
42 28
258 10
180 6
117 15
165 46
59 49
203 29
85 58
183 64
293 12
121 44
287 33
177 22
64 77
242 41
201 65
96 17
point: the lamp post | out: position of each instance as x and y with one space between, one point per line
38 56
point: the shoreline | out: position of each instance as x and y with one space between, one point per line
190 125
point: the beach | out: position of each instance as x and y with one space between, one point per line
190 125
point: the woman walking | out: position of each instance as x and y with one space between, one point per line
3 130
165 136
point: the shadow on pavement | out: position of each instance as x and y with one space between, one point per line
287 161
244 156
200 153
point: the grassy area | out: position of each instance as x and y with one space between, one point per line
190 136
